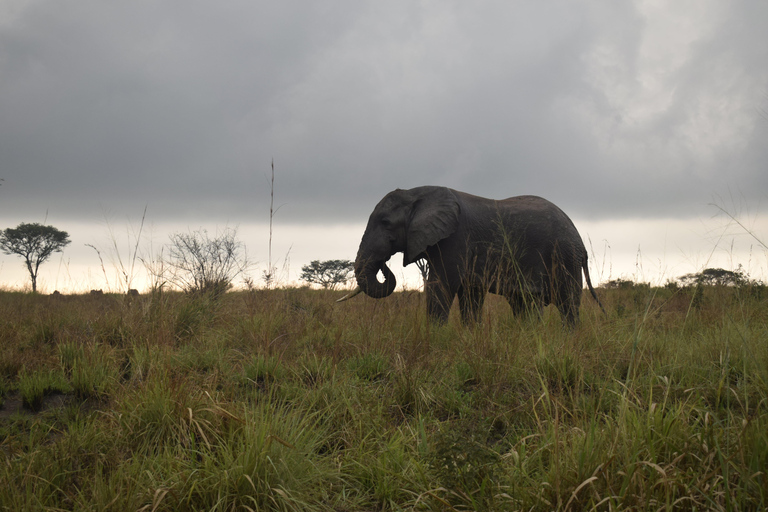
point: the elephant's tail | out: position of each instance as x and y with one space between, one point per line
585 267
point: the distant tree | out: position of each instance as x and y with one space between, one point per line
200 264
716 277
33 242
328 274
619 284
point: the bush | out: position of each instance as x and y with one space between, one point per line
201 264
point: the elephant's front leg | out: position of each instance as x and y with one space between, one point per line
439 298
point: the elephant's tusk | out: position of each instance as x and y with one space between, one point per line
350 294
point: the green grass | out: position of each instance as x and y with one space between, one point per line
284 400
35 386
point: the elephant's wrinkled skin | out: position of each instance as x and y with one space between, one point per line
524 248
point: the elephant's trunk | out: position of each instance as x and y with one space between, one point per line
365 272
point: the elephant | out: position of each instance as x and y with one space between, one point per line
524 248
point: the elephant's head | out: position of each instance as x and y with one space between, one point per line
406 221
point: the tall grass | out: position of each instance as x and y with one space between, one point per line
283 400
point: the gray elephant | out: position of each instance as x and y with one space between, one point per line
524 248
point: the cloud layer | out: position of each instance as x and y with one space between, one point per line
616 110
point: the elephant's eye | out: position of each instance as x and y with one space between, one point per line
385 222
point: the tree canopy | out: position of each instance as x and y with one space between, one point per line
716 277
33 242
329 274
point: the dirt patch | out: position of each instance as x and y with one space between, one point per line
13 404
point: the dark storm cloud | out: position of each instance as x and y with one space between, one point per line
610 110
142 103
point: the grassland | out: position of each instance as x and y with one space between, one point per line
284 400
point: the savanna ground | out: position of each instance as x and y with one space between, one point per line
284 400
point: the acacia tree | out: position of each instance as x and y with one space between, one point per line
33 242
328 274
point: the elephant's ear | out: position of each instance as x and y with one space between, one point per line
435 216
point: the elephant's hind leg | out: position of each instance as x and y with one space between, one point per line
570 314
569 302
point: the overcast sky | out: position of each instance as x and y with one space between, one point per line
622 113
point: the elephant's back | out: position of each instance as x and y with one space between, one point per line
529 202
529 205
524 209
537 211
525 202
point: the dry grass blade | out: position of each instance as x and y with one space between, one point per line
272 437
156 500
432 493
576 491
